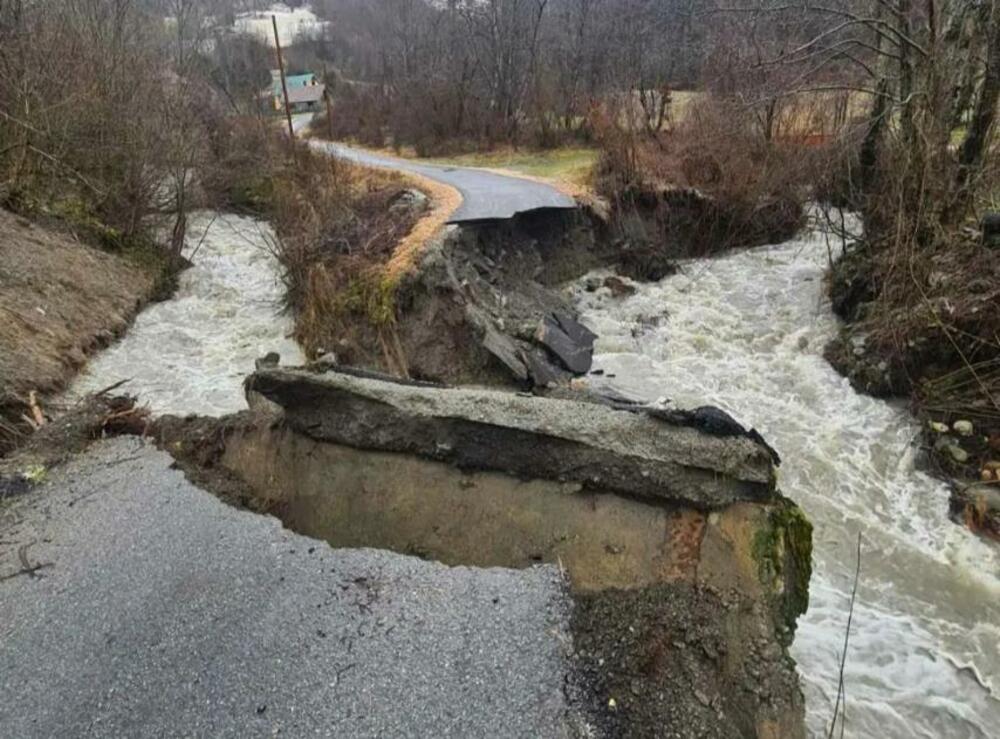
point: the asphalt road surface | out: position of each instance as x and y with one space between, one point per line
486 195
160 611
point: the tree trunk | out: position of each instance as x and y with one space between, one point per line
977 138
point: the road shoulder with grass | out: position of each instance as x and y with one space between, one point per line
486 195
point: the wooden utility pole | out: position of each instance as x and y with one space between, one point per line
284 85
329 109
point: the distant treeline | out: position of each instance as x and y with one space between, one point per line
421 71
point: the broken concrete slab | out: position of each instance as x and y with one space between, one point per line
568 341
543 372
574 329
474 301
507 351
537 438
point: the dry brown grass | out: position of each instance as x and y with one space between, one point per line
344 241
444 201
712 179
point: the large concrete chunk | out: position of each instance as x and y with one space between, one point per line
530 437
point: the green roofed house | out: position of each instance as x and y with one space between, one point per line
305 92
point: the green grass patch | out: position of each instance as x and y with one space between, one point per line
571 164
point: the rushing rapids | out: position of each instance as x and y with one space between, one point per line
190 354
746 333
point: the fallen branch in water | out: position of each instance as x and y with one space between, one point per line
112 386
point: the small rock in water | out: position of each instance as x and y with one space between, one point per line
978 507
943 442
963 428
327 359
938 427
618 287
269 360
958 454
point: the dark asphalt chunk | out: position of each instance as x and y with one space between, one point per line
574 352
714 421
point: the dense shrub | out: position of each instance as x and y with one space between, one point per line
335 224
709 181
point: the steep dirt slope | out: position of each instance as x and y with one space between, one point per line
59 301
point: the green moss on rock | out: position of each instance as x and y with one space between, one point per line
783 552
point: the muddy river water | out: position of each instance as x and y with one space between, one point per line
190 354
745 332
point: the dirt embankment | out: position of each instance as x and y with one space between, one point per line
926 327
481 302
60 301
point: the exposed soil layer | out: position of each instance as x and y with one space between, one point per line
60 301
683 660
198 444
679 659
659 226
473 309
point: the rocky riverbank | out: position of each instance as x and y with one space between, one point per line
938 348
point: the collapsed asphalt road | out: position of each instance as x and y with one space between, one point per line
485 195
157 610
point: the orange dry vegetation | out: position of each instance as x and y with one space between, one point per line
444 201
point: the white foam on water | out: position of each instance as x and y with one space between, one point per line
191 353
746 333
